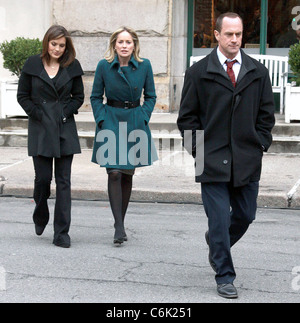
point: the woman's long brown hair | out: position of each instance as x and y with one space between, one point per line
56 32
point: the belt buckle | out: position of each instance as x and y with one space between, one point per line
128 105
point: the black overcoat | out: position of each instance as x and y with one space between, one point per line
52 129
237 122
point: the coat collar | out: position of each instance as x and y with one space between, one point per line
63 79
247 66
34 66
223 58
132 61
216 71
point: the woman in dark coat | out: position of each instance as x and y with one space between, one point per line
123 120
51 92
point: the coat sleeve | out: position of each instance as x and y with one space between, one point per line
149 94
266 114
24 97
188 117
97 95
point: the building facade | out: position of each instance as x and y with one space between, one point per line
160 24
170 31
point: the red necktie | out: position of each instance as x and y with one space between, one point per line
230 71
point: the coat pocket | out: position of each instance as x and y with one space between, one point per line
37 112
141 121
102 117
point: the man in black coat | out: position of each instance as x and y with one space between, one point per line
229 96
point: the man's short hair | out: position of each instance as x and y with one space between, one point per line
219 21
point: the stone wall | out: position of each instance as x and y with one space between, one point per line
160 24
26 18
92 22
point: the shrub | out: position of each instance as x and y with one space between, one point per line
294 61
16 52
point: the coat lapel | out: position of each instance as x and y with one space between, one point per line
216 72
38 69
63 79
116 64
248 72
248 69
45 77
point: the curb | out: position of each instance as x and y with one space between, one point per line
265 200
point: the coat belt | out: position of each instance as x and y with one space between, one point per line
123 104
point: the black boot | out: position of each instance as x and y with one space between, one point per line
120 234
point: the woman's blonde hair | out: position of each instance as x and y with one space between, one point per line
110 53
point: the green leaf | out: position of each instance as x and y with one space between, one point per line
294 61
16 52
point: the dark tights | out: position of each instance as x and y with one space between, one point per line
119 192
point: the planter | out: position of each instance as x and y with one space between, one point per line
292 106
9 104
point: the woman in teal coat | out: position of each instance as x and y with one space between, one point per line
123 140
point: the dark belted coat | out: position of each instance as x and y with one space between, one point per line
47 105
237 122
125 125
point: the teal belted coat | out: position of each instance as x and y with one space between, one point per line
123 139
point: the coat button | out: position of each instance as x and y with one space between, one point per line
225 161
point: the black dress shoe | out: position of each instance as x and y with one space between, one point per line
65 245
212 264
227 291
63 241
39 229
118 242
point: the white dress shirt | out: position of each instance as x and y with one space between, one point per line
236 67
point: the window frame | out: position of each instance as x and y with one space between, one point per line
190 28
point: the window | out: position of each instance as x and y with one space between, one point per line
281 33
207 11
279 23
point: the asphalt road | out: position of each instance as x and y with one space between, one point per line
164 261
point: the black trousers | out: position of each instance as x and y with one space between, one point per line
43 167
230 211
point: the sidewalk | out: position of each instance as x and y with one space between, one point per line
169 180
